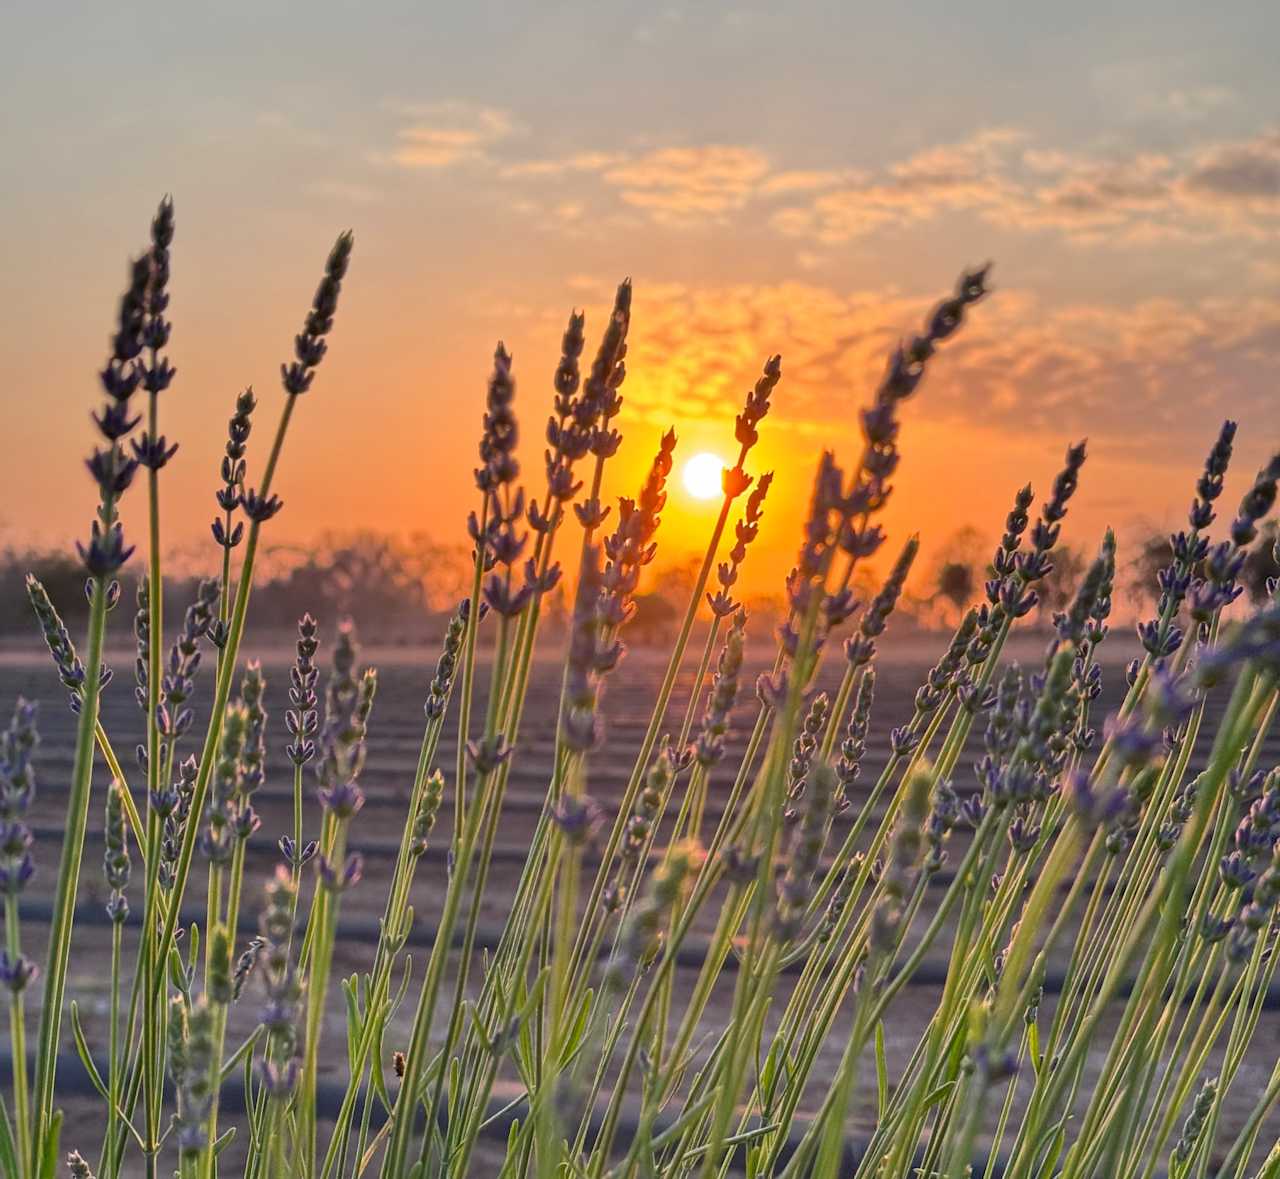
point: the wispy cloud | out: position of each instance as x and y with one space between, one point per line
1161 370
964 175
1194 103
587 161
682 182
1001 174
1238 175
1218 188
440 135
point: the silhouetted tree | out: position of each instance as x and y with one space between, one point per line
654 621
61 574
1058 587
956 576
956 584
1151 555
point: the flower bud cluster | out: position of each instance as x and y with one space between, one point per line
721 602
649 803
279 1065
18 744
172 805
157 373
906 368
302 719
803 749
174 715
447 663
57 638
709 746
906 851
198 1084
854 746
642 933
592 654
112 470
217 836
796 888
115 856
230 495
860 648
631 546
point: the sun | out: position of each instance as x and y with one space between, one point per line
703 476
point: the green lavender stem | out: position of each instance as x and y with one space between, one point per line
68 877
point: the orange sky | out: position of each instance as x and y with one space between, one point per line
773 194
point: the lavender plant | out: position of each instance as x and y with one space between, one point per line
702 973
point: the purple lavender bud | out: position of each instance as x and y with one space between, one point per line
499 596
153 453
581 730
591 513
903 740
106 551
309 345
1240 943
16 875
1214 929
1168 701
971 812
578 818
339 880
260 510
995 1068
343 799
772 689
216 845
1131 742
279 1080
118 908
1234 870
487 755
245 822
16 973
1092 806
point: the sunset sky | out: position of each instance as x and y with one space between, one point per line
803 178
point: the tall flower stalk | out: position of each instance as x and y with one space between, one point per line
17 866
103 555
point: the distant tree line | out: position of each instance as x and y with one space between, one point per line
959 573
390 585
404 587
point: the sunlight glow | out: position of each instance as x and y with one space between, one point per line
702 476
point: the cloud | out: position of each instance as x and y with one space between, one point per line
1000 174
1195 103
1086 194
1238 175
802 180
677 183
447 133
677 186
586 161
1215 189
964 175
1136 377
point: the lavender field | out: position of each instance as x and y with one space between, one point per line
395 731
